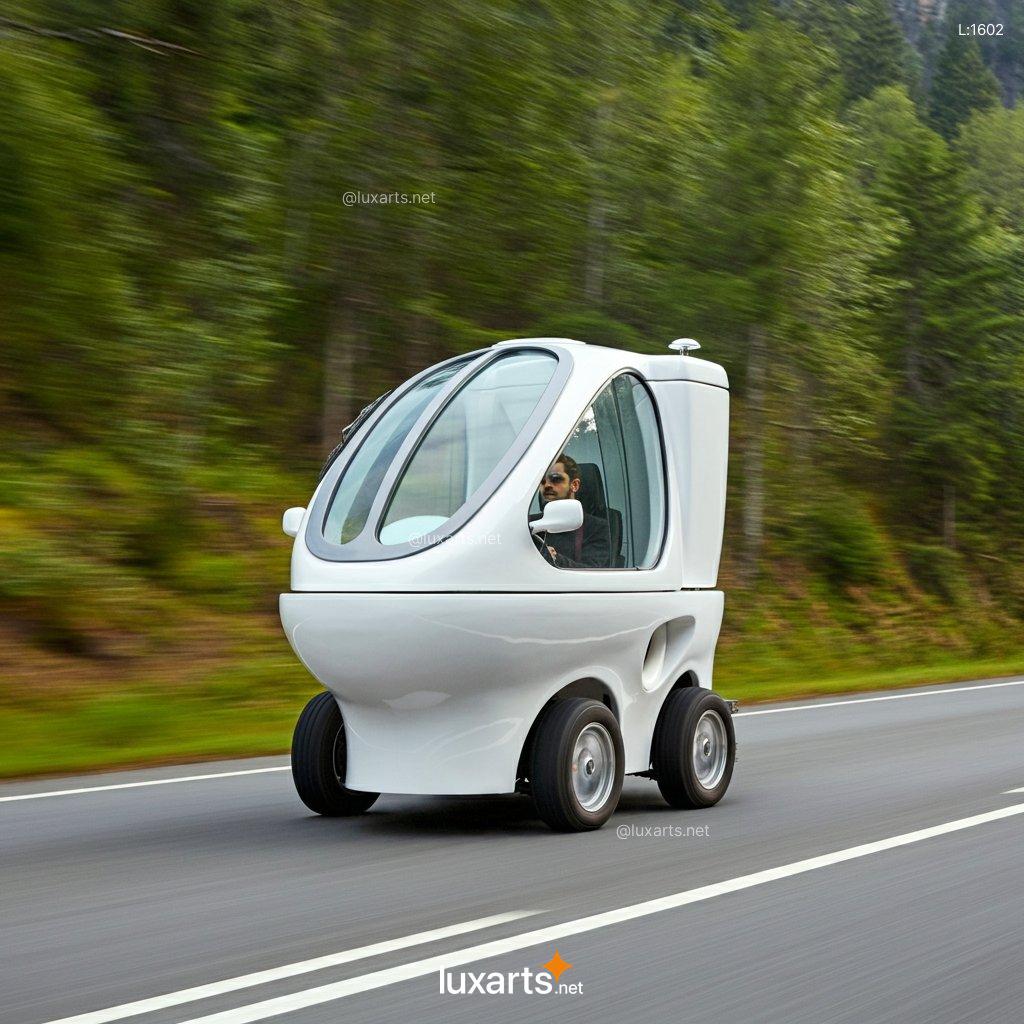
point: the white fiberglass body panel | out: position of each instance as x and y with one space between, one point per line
438 691
441 630
695 420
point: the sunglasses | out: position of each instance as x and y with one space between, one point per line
556 478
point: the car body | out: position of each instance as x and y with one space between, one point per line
421 600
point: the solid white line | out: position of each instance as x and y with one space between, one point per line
542 936
137 785
872 700
1021 790
217 988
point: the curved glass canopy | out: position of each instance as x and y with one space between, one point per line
435 453
364 473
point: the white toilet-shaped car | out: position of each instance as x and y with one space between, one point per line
474 639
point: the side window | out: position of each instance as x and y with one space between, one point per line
612 462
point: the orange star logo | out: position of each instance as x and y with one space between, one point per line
557 966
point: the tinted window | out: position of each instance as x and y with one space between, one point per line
644 498
615 453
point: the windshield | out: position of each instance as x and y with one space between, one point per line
363 475
465 444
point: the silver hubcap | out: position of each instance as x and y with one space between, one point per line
593 767
710 749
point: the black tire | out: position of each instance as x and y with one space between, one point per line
551 765
318 761
672 751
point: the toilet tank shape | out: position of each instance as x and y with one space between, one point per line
695 421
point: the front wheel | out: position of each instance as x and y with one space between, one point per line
576 765
694 748
319 761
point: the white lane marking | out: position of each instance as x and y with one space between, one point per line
872 700
542 936
137 785
217 988
1021 790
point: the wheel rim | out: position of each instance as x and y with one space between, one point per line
338 756
710 749
593 767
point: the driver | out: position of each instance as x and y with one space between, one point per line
589 547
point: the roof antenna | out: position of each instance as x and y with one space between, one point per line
684 346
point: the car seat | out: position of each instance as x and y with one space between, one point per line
592 498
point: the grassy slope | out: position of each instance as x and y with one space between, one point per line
198 667
250 709
242 699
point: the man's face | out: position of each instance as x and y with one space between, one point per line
556 483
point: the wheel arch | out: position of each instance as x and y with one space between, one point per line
688 678
588 686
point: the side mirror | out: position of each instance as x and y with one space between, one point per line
292 520
561 516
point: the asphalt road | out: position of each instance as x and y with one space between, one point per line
875 914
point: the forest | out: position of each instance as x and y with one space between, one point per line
828 194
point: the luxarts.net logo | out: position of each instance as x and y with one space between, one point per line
528 981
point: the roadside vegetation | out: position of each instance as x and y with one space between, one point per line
197 667
828 195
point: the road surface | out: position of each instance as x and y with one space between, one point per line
866 865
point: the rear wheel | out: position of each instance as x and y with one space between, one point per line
319 761
576 765
694 748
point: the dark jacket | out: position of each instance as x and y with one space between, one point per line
589 547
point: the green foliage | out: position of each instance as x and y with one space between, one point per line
190 310
938 570
68 312
840 538
875 52
868 44
943 330
223 581
992 142
961 85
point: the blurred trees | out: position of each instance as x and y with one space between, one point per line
942 333
869 48
962 85
190 307
993 143
775 255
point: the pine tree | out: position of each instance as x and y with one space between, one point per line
874 53
962 84
773 260
992 143
942 331
868 44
